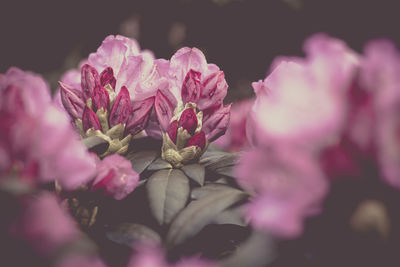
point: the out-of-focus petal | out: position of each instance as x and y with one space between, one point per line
121 179
45 224
288 184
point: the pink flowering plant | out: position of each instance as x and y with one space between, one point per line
139 161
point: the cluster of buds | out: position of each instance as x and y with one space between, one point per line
184 141
98 111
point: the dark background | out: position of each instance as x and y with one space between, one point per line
241 36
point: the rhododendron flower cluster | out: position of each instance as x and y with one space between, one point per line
191 113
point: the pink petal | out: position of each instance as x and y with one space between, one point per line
217 123
72 100
214 90
191 87
45 224
116 176
186 59
164 110
35 93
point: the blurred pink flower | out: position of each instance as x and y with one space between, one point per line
380 75
76 260
115 176
288 186
150 256
36 138
302 100
235 138
45 224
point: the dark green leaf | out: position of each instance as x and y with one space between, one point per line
168 192
231 216
258 250
130 233
159 164
196 172
141 160
227 171
209 188
216 160
201 212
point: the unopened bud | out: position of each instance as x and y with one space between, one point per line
89 80
107 77
199 139
188 120
90 120
172 130
121 108
139 115
100 98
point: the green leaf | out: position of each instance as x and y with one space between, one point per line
227 171
259 249
209 188
142 159
215 160
168 192
159 164
231 216
196 172
130 233
201 212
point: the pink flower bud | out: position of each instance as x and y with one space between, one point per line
139 115
198 139
90 120
107 77
172 130
89 80
214 90
116 177
188 120
191 87
216 124
164 109
72 100
121 108
100 98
